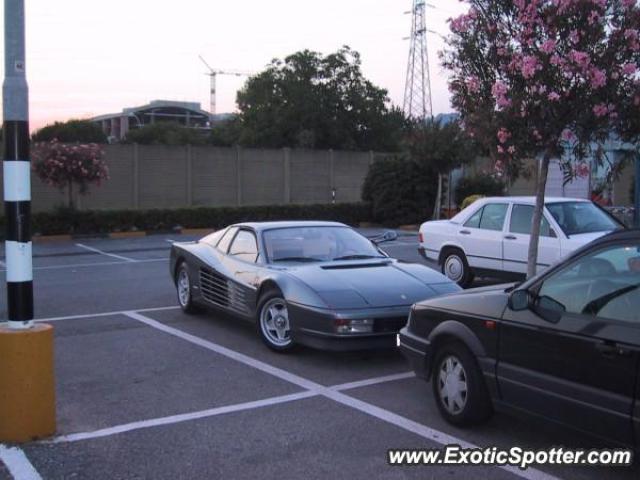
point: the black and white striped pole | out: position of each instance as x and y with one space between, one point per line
17 171
27 385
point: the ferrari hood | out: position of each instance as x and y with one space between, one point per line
370 284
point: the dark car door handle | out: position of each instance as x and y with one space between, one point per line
465 232
510 237
608 349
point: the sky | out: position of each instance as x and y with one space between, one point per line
87 58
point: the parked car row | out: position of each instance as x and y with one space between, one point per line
564 345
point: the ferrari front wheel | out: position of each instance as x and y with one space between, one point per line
274 325
183 289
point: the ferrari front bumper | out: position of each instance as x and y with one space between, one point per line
317 328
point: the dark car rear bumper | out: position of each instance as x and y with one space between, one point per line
417 351
315 327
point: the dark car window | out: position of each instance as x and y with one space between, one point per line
244 246
603 284
489 217
223 244
581 217
522 219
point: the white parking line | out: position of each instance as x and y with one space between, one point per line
155 422
97 264
404 423
103 314
95 250
18 464
373 381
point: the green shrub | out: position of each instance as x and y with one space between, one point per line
400 191
485 185
469 200
85 222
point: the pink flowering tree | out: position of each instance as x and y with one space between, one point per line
62 165
535 78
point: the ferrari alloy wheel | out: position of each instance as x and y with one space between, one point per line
458 385
183 288
273 322
456 268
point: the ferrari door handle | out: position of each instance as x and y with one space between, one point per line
510 237
465 232
609 349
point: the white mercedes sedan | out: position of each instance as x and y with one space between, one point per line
491 236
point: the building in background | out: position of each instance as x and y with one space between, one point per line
186 114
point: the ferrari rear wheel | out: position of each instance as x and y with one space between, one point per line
183 289
273 322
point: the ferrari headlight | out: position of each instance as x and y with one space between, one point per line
360 325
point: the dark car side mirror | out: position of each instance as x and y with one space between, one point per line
549 309
519 300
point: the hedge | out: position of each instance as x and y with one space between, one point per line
87 222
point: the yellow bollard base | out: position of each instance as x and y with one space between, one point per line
27 385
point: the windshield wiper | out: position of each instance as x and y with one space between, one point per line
297 259
357 257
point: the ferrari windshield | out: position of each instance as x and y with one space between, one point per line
317 244
581 217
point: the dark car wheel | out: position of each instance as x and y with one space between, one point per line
455 266
273 321
184 290
458 386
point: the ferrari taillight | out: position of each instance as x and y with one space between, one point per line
420 237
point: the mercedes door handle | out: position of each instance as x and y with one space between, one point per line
608 349
465 232
510 237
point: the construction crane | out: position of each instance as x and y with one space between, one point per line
213 74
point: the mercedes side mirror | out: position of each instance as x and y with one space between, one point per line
519 300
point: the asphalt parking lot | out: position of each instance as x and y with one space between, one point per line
145 391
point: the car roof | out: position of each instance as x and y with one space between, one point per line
619 235
531 200
261 226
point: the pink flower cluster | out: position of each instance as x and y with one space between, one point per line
529 66
58 164
499 91
503 135
462 23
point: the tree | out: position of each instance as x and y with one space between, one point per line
309 100
165 133
532 79
399 190
71 131
443 147
226 133
61 165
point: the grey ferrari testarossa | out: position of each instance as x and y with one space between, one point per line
320 284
